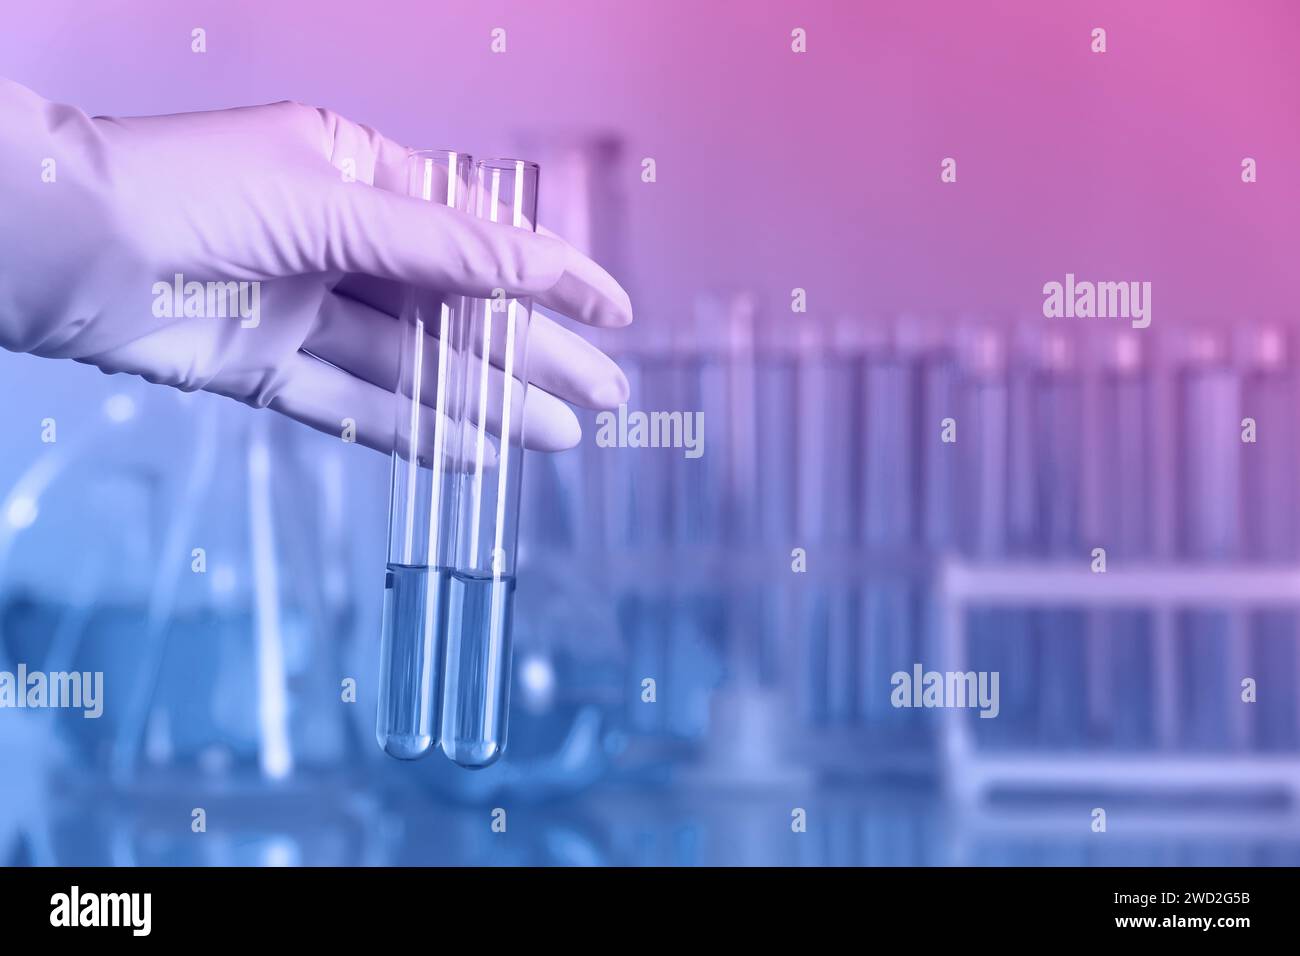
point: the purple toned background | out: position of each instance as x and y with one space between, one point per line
776 170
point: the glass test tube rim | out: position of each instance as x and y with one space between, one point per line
506 162
519 167
460 158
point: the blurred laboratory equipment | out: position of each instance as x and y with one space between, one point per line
1161 601
209 595
642 564
584 200
828 439
242 655
722 627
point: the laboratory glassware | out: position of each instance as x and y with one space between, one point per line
775 384
1051 390
1213 641
1269 532
237 657
1001 638
423 486
887 399
1120 493
481 584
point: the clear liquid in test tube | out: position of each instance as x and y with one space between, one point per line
481 584
421 519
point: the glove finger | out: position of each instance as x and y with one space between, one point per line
330 400
346 224
362 229
367 343
375 159
490 257
565 364
235 355
559 360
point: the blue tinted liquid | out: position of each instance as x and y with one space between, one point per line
409 673
476 678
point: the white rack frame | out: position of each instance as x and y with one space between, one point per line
1162 589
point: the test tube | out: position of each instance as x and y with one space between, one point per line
481 586
422 491
888 398
1269 533
1209 429
1119 501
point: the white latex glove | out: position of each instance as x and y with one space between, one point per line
257 194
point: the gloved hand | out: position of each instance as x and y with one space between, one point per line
99 214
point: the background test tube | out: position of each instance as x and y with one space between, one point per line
1269 533
1210 502
1122 661
481 586
422 489
887 399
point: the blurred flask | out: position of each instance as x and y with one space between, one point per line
241 650
93 500
171 513
583 201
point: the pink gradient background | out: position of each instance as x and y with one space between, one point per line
777 170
